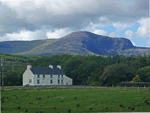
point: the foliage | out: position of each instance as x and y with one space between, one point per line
20 58
104 77
136 79
118 73
144 73
139 62
79 67
13 78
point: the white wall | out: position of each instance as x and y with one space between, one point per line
47 79
68 80
26 76
29 75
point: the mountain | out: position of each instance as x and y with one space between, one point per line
79 42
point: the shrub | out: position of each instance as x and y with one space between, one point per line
26 110
19 107
69 110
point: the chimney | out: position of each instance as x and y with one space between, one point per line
51 66
29 66
59 66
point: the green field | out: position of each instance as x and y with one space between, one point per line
78 100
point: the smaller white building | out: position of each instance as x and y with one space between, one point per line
36 76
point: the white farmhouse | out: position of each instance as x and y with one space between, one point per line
35 76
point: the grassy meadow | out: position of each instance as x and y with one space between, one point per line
75 100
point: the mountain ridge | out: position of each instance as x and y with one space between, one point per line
79 42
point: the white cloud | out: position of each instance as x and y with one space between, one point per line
122 26
103 18
25 35
113 34
148 43
133 43
93 26
74 15
129 34
99 32
143 30
58 33
103 21
2 28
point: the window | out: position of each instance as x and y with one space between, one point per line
58 81
38 76
38 81
30 80
62 81
61 76
58 76
51 76
51 81
43 76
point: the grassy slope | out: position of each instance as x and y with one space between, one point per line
97 99
18 65
40 48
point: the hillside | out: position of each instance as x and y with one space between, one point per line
80 42
16 62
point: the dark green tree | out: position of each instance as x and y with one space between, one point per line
13 78
144 73
118 73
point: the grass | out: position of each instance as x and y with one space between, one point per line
76 100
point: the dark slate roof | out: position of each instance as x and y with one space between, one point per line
46 70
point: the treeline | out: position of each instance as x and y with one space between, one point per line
100 70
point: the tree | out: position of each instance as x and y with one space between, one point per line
144 73
95 76
136 79
13 78
116 58
118 73
141 61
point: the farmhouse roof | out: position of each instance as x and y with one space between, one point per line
46 70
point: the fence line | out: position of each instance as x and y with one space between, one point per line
75 86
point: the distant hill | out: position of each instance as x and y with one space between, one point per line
80 42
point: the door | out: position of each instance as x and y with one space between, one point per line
67 83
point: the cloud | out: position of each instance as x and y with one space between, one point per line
148 43
58 33
25 35
143 30
48 11
121 26
133 43
129 34
113 34
99 32
54 15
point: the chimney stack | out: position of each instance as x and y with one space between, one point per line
51 66
59 66
29 66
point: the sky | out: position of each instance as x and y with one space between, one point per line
28 20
